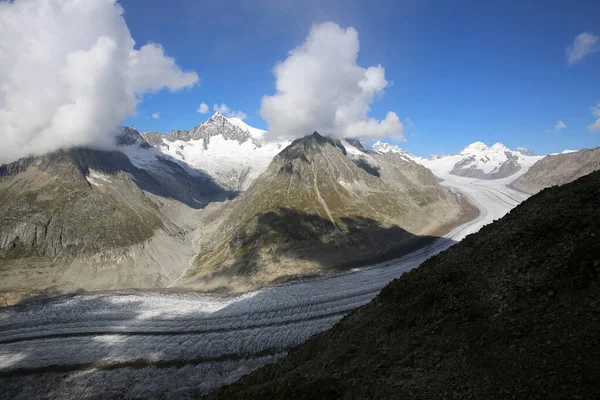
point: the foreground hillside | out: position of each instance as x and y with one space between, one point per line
322 204
558 169
510 312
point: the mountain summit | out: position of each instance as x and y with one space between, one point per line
474 148
230 151
322 204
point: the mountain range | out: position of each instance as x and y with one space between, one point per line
477 160
219 207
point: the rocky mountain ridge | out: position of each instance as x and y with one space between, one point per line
558 169
322 204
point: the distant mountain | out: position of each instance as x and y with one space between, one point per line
382 148
510 312
477 160
525 151
321 205
230 151
558 169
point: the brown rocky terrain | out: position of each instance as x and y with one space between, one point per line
558 169
84 219
511 312
322 205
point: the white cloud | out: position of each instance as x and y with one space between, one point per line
584 44
156 115
69 75
202 108
320 87
595 126
596 110
559 125
228 112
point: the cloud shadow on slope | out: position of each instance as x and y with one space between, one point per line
368 168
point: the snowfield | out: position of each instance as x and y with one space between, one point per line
136 344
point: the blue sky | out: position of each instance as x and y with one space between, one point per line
489 71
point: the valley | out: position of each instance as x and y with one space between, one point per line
299 200
139 343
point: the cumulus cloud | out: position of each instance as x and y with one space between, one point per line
202 108
321 87
559 125
228 112
595 126
70 74
156 115
584 44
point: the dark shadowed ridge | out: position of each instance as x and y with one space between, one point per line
512 311
310 144
304 236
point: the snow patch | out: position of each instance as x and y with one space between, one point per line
96 178
254 132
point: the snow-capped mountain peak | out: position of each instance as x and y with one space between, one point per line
232 152
474 148
478 160
499 147
382 147
254 132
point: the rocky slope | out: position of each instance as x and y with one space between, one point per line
230 151
88 219
558 169
509 312
321 204
477 160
